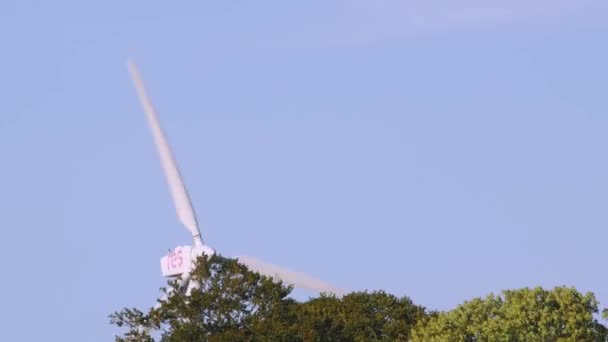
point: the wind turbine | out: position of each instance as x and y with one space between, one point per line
180 261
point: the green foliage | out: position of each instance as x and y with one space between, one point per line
358 316
235 304
561 314
133 319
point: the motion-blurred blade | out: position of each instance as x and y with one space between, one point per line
193 285
185 279
183 205
296 279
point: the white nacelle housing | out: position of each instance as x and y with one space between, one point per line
182 259
179 261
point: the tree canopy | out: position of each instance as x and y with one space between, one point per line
561 314
235 304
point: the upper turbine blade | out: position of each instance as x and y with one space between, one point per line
296 279
183 205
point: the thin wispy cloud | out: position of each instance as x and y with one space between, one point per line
413 16
361 22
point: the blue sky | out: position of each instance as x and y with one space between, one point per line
439 151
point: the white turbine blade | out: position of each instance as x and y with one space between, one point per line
180 284
183 205
296 279
193 285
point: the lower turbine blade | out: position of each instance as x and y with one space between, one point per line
193 285
185 279
296 279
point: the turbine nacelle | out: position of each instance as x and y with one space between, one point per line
204 249
181 260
